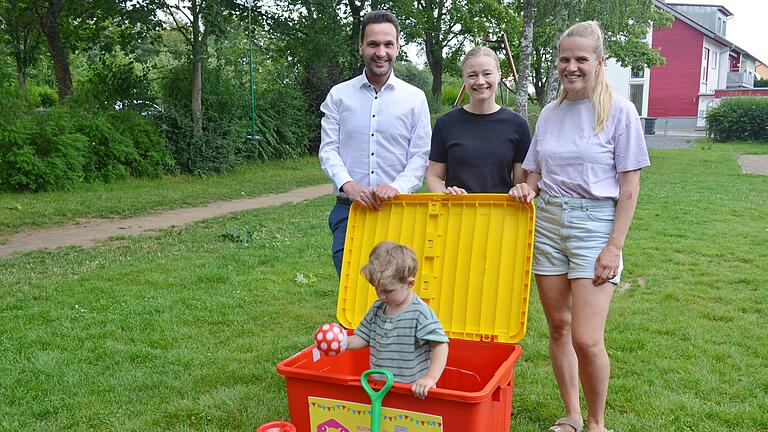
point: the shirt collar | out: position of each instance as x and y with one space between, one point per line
392 81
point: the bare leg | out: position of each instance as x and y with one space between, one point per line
555 295
589 307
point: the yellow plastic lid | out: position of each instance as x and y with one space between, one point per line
474 260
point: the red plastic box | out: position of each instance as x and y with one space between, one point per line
474 270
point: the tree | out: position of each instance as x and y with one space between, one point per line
68 25
524 66
196 21
49 19
443 27
20 27
319 41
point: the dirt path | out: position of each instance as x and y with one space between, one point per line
91 231
754 164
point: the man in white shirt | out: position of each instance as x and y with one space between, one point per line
376 130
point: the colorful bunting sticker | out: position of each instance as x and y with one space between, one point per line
357 417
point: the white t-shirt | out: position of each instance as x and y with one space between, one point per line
574 161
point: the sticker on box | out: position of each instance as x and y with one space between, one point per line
343 416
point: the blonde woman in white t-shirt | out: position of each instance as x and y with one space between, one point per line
584 162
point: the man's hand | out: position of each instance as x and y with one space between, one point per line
385 191
364 196
421 387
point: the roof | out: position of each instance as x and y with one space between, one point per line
721 7
707 32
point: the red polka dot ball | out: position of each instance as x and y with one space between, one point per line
331 339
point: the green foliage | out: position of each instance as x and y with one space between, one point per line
451 89
121 145
46 149
412 74
739 118
319 44
761 82
280 120
41 151
42 96
114 79
236 234
153 158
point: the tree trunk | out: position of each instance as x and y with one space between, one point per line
553 80
49 24
197 71
355 10
436 63
21 77
524 66
537 75
197 96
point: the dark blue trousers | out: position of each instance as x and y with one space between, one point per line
337 222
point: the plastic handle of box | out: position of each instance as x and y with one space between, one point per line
376 396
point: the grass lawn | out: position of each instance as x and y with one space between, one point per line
130 198
182 331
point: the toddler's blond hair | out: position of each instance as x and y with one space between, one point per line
390 262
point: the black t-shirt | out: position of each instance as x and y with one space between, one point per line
479 150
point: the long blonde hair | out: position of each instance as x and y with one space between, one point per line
602 97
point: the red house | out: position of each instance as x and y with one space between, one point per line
701 65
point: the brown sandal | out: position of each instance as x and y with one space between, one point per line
567 424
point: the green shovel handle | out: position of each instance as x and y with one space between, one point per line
376 396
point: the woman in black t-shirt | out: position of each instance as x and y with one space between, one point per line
479 147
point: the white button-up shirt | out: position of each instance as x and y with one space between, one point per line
373 138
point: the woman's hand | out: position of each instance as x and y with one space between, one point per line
607 264
455 190
521 192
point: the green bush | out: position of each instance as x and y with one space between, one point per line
109 153
739 118
42 97
761 82
41 151
113 80
47 149
153 159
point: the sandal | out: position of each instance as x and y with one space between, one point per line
566 424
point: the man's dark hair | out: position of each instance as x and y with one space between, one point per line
379 17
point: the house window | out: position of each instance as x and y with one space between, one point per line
704 64
637 73
636 97
720 26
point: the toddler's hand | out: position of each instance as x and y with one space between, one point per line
421 387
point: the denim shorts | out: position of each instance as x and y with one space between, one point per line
570 234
